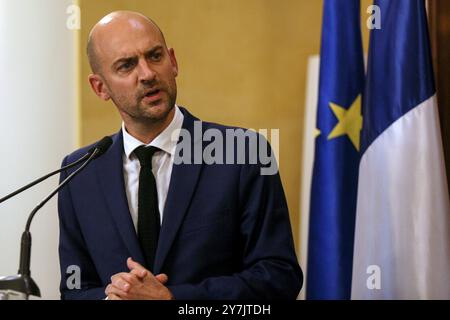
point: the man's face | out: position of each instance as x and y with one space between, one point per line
137 70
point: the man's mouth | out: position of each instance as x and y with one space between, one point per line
152 96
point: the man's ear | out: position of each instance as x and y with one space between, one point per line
98 85
173 61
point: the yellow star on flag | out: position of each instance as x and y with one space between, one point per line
349 121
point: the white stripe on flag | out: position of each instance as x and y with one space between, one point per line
403 212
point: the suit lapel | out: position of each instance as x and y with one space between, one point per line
110 176
181 189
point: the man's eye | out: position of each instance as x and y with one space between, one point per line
156 56
126 66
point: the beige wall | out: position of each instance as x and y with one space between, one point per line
242 62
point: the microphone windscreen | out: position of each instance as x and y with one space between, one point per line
103 145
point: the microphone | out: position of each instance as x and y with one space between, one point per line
23 283
102 146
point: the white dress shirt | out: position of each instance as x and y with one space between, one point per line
162 163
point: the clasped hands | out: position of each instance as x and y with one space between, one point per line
138 284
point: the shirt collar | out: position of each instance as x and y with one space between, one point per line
163 141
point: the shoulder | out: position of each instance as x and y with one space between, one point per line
78 153
224 144
216 127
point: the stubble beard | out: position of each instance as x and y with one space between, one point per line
148 113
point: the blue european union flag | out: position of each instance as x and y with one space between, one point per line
335 172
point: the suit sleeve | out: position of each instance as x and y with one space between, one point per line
73 253
270 267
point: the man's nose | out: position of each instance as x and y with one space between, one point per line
145 72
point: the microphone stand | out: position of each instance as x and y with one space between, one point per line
22 285
28 186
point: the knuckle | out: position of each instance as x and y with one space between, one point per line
130 277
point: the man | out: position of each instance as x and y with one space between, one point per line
137 224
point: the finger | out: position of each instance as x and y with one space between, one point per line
133 265
121 279
121 284
131 278
117 276
112 290
141 274
113 297
150 278
108 289
162 277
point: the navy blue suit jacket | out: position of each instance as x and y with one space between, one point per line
225 234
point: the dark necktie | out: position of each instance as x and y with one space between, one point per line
148 212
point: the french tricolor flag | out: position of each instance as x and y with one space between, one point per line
402 228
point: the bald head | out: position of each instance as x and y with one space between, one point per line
114 22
